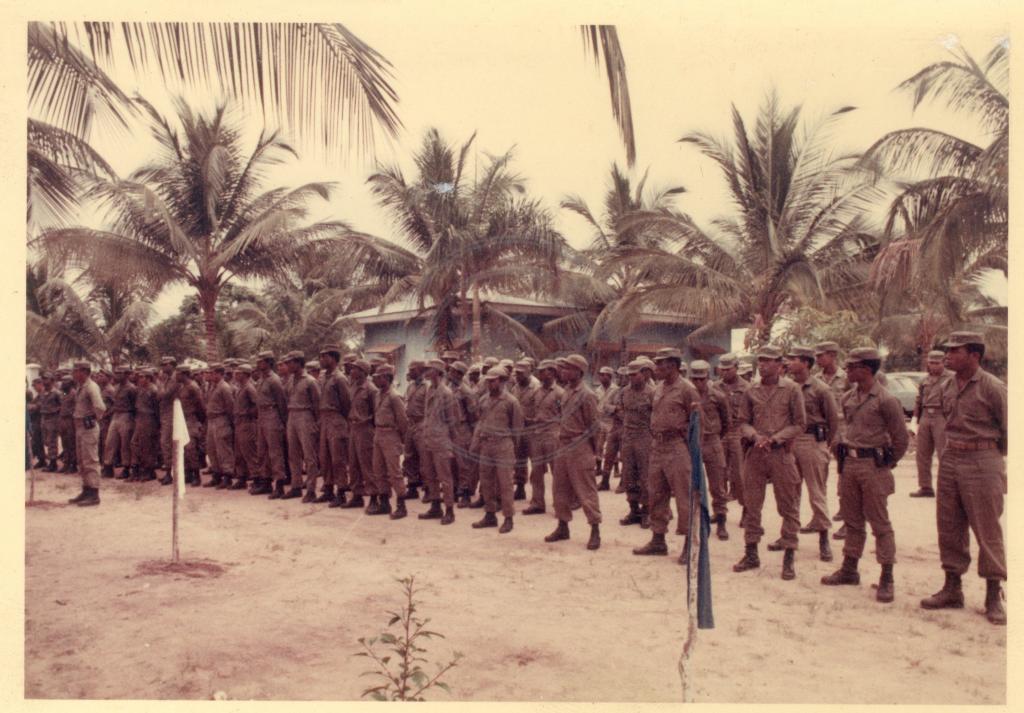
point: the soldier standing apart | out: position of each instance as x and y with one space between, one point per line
873 441
501 421
462 435
145 444
812 447
439 419
245 413
415 390
772 416
972 477
931 423
49 410
574 474
668 469
734 388
523 389
360 435
195 414
335 401
636 402
272 409
715 422
546 410
303 430
220 434
390 429
89 408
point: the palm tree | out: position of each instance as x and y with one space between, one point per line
946 231
197 215
602 41
598 284
798 234
464 238
106 325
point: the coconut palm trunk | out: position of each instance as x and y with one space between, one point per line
208 303
475 337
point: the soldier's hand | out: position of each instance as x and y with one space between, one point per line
763 442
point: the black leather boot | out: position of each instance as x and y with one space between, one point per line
750 559
633 516
788 571
326 495
107 471
656 546
520 492
356 501
489 520
239 484
595 537
449 515
995 612
434 513
951 596
720 530
847 574
886 589
400 510
561 532
373 508
278 492
91 496
604 484
824 549
506 526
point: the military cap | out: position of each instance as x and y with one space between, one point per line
962 339
104 371
533 362
699 367
416 364
547 364
622 371
436 364
862 354
797 351
727 360
668 353
82 365
385 370
523 366
349 358
634 367
474 368
184 369
148 371
825 347
168 360
216 367
645 362
492 375
230 362
506 363
268 356
47 375
377 360
449 354
769 351
244 368
331 349
527 363
936 357
295 355
361 364
606 370
459 366
122 369
315 365
577 360
560 362
490 361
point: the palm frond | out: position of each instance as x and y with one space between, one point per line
602 41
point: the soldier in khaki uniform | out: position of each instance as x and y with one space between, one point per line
89 407
734 387
545 411
303 430
668 468
390 429
117 446
972 476
415 391
145 442
603 390
500 423
195 415
67 426
715 422
335 402
440 416
523 389
220 434
771 416
574 474
167 391
245 415
931 423
826 354
102 379
462 433
812 447
49 410
272 410
874 439
360 434
636 402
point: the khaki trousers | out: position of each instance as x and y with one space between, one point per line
387 468
145 441
812 462
51 431
635 452
496 460
117 446
713 455
334 449
87 449
436 467
542 459
931 438
465 466
270 446
668 474
360 460
247 464
864 491
972 485
733 448
220 445
574 475
778 466
303 446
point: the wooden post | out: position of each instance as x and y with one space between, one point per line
175 498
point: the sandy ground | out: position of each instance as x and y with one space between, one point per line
301 583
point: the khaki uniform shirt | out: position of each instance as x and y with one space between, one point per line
821 407
977 412
245 402
735 393
335 395
874 420
89 401
636 406
147 401
776 411
466 403
304 395
220 401
67 402
671 406
501 416
524 395
579 413
389 412
123 399
49 403
714 411
929 395
546 405
361 409
415 395
270 396
440 414
191 401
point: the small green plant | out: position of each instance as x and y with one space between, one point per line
405 679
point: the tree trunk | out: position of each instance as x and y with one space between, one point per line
475 337
208 303
623 352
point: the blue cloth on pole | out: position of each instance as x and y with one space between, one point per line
705 618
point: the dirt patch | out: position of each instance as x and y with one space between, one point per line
196 569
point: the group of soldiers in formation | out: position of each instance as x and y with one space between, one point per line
475 436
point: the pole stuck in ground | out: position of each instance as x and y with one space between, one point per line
179 439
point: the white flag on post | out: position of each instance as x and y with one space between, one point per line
179 439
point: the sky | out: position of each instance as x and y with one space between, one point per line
522 79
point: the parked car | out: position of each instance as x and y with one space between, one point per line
904 386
